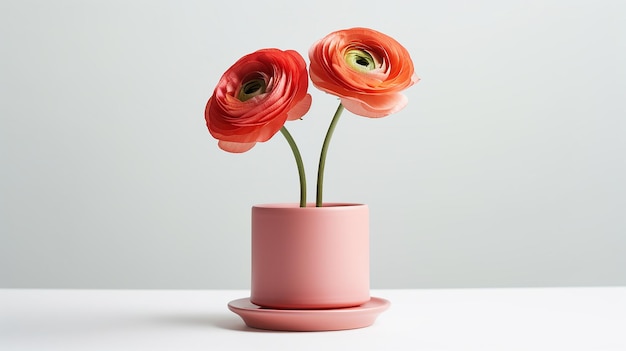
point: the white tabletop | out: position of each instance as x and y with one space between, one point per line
451 319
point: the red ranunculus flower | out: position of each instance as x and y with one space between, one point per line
256 96
365 68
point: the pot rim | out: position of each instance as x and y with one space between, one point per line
310 206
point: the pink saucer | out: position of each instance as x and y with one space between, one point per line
309 320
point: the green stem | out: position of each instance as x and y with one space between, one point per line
296 154
320 170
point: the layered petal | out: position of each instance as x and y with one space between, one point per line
256 96
367 69
300 109
388 104
234 147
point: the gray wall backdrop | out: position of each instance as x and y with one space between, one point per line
507 168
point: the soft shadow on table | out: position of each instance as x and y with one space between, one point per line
222 321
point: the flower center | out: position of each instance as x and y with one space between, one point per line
251 89
360 60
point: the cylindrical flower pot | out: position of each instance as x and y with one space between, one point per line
311 257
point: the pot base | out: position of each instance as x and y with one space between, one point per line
309 320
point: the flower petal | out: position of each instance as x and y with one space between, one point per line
235 147
380 108
300 109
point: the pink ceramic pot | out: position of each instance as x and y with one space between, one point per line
310 258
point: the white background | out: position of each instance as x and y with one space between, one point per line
506 169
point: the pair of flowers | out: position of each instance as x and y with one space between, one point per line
255 97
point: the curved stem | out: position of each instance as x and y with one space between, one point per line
296 154
320 170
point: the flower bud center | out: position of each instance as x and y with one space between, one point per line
360 60
251 89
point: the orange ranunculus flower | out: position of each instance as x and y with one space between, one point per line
365 68
256 96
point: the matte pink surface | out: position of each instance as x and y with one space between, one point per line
310 258
309 320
